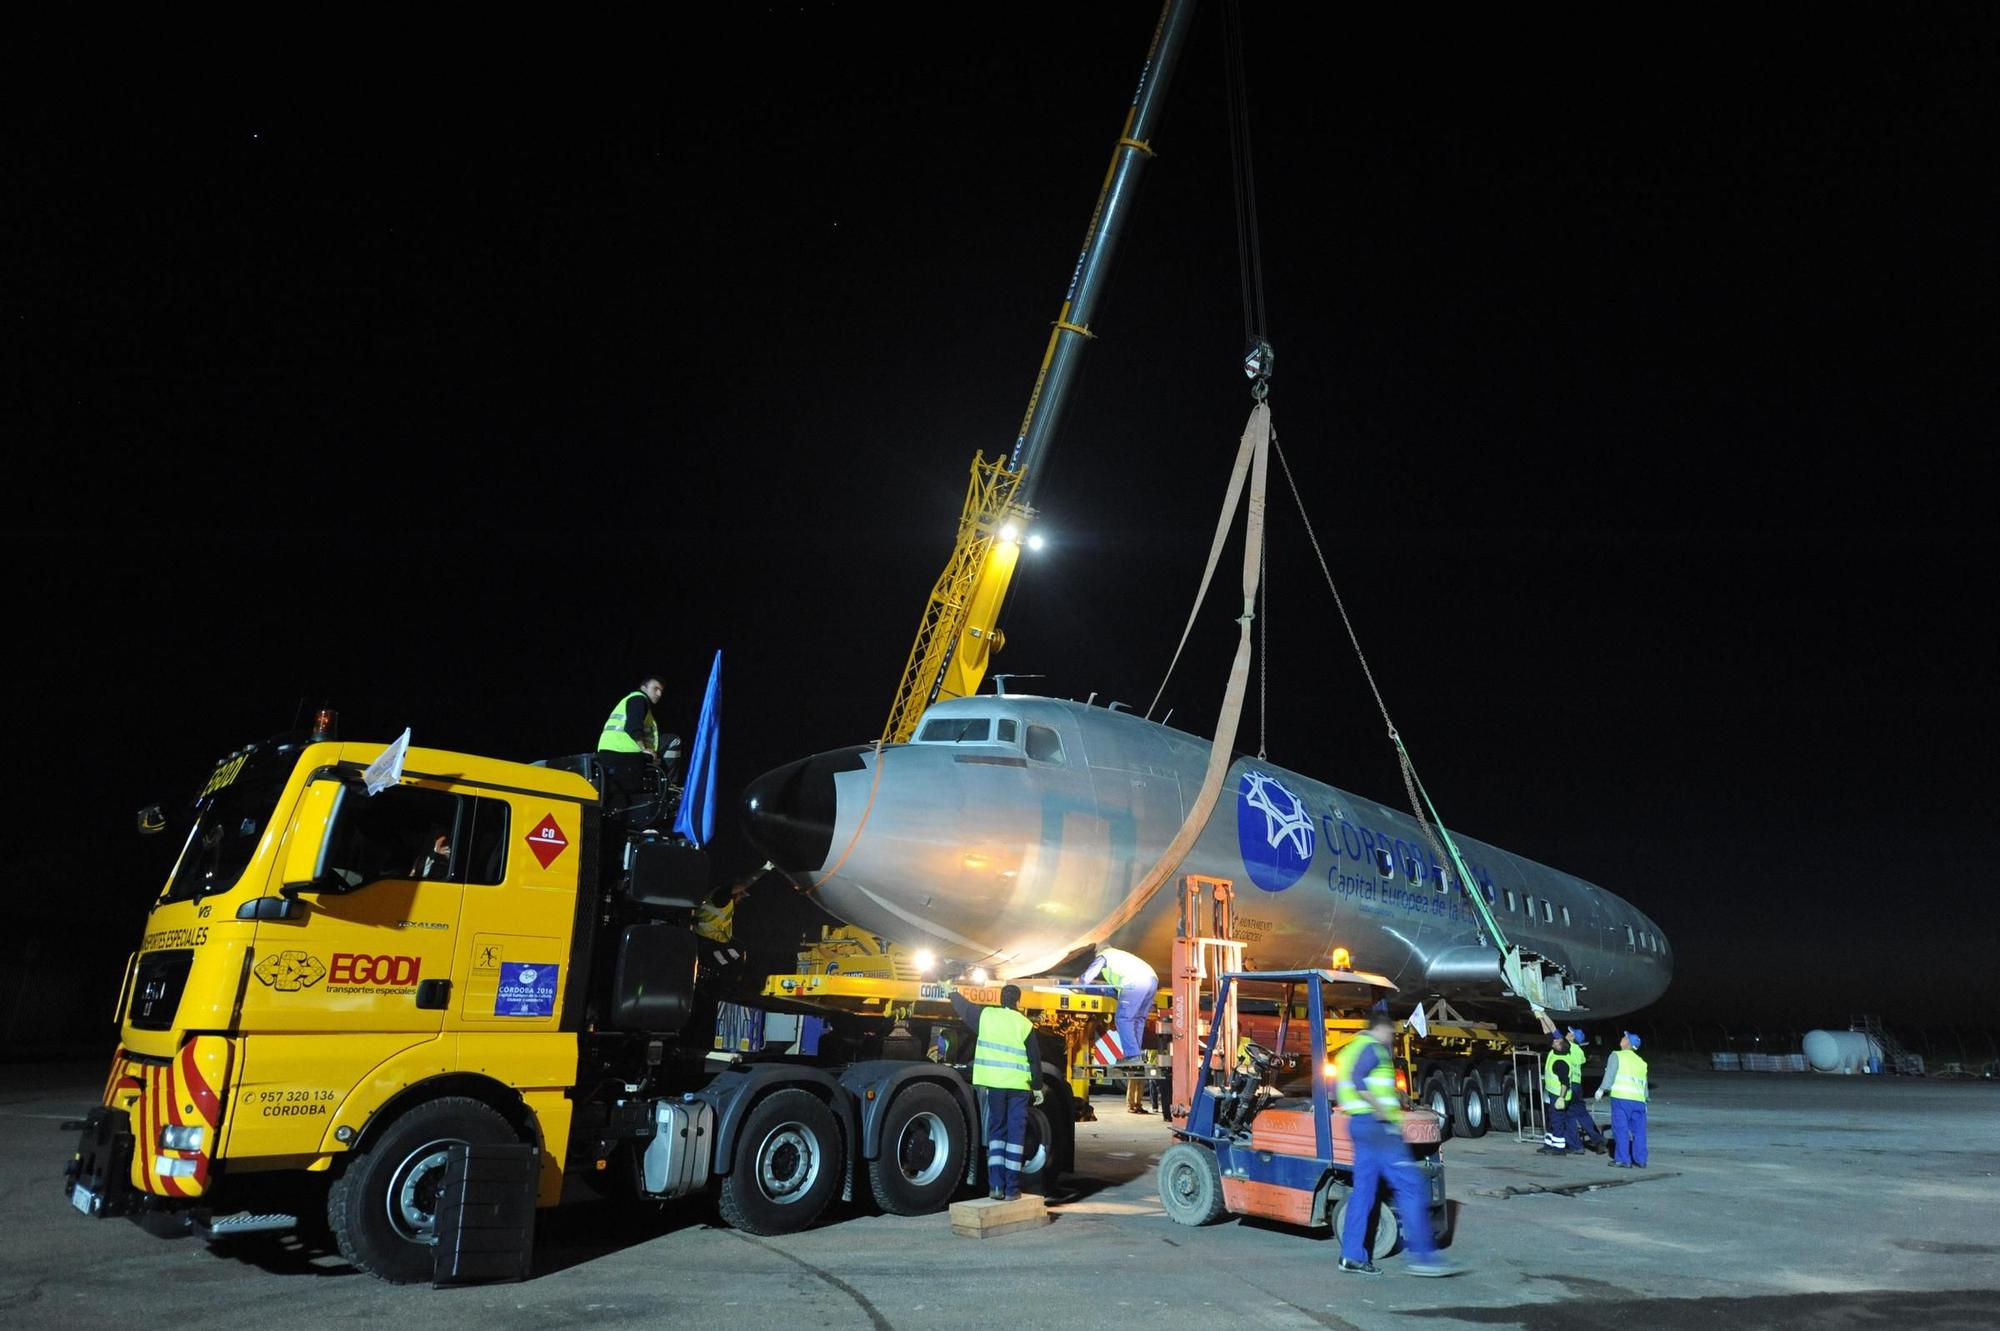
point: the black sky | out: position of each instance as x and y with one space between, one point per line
1639 371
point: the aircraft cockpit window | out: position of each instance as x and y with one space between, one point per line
956 730
1044 745
1007 731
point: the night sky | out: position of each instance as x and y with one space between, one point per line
1639 372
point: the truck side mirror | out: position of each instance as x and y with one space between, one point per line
305 852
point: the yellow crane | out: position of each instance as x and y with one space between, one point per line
959 630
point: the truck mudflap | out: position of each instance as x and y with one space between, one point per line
170 1118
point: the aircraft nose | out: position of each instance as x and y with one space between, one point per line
788 812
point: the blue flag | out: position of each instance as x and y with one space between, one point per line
696 819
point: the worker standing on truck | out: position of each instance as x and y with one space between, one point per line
1003 1068
1364 1086
1556 1088
1625 1078
630 740
1580 1128
1136 983
715 921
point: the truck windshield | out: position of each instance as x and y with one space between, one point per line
230 817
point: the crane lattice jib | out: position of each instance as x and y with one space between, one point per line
957 631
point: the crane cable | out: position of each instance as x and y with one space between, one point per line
1435 832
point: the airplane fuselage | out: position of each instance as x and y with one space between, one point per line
1010 826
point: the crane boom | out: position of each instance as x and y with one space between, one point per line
959 629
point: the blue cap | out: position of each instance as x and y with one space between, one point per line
1633 1038
1575 1035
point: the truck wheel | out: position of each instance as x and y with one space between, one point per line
1509 1098
1038 1157
1190 1184
383 1207
1436 1097
923 1152
1384 1235
1474 1114
786 1167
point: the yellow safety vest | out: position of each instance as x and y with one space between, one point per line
716 923
1119 967
1553 1080
1628 1079
1000 1059
1381 1081
1575 1060
615 740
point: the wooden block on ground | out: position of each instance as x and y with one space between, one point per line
984 1218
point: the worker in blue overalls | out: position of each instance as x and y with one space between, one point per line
1364 1086
1136 983
1625 1078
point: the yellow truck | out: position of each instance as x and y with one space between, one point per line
339 996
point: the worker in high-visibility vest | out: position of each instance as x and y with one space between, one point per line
1557 1079
1580 1128
630 742
1136 983
1003 1070
1364 1087
1625 1078
715 921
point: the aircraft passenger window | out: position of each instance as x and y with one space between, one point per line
1548 912
1009 733
1531 908
1630 941
1491 900
955 730
1386 862
1044 745
1565 917
1512 905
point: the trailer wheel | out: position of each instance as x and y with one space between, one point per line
1038 1156
786 1167
383 1207
1510 1100
923 1152
1190 1184
1473 1116
1436 1097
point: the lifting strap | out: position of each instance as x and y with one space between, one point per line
1253 458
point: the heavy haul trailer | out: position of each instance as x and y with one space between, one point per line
334 990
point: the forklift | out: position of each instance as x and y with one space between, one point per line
1257 1132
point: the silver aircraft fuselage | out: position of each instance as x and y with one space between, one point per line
1010 826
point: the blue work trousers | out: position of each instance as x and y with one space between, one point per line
1380 1155
1135 999
1006 1132
1581 1124
1628 1131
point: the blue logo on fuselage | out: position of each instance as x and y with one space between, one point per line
1274 832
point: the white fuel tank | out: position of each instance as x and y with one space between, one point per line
1841 1051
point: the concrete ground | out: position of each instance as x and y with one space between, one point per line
1772 1201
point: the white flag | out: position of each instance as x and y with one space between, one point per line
1418 1024
387 770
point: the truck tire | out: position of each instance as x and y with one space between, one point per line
382 1208
1038 1157
786 1167
1508 1100
1437 1098
1190 1184
922 1159
1472 1112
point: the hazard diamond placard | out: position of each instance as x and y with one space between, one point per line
547 840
